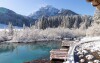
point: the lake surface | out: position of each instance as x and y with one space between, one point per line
19 53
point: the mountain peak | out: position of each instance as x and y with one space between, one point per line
47 7
45 11
51 11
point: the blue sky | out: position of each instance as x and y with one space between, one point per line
26 7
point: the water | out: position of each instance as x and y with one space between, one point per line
19 53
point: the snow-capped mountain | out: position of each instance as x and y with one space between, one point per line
49 16
51 11
45 11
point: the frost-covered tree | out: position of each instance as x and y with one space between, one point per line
24 26
75 21
10 28
97 16
94 30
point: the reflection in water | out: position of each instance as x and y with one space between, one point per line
7 47
21 52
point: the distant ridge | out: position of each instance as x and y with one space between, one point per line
7 16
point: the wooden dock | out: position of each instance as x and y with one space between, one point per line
58 54
62 53
67 43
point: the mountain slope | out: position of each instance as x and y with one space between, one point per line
7 16
65 12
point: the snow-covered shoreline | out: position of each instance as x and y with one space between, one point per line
31 34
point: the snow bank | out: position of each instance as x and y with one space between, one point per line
86 39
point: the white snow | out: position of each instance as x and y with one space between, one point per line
87 44
86 39
80 56
4 26
84 51
82 60
89 57
90 62
96 61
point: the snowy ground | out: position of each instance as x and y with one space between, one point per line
3 26
88 51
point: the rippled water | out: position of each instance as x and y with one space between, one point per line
19 53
